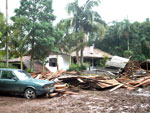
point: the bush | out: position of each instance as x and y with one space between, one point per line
102 62
3 65
128 53
77 67
74 67
84 66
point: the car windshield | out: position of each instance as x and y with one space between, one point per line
22 75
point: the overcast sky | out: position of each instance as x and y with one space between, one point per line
134 10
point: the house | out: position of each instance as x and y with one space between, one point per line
26 64
63 62
91 55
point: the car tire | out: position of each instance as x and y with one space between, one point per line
29 93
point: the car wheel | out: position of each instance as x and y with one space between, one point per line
29 93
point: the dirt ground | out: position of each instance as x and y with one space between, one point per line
119 101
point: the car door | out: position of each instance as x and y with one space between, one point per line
8 83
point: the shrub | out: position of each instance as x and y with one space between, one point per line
74 67
102 62
128 53
84 66
77 67
3 65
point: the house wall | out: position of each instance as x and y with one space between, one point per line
63 62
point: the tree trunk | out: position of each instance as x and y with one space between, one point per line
127 37
128 43
77 56
69 59
57 63
81 57
32 55
21 62
7 53
7 56
31 64
43 65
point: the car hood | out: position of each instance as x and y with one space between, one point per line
38 81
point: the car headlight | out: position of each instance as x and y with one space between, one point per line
47 86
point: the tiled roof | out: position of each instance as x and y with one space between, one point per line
24 59
95 53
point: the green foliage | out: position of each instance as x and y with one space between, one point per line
77 67
74 67
115 41
128 53
19 43
38 17
138 57
86 20
102 62
2 26
28 71
84 66
0 34
3 65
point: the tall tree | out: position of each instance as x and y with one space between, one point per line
69 41
43 48
39 17
124 31
2 32
5 30
84 19
19 44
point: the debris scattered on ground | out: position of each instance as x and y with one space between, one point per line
131 77
61 88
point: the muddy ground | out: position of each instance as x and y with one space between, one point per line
119 101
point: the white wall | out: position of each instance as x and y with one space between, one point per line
63 62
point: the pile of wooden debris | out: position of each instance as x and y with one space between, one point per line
131 77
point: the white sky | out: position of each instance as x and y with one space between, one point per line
134 10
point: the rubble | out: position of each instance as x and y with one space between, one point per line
131 77
117 61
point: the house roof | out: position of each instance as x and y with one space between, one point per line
90 52
24 59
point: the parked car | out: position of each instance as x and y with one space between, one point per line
20 82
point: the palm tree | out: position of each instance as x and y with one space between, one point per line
19 42
4 32
70 40
124 30
84 19
19 47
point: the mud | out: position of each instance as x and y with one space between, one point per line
119 101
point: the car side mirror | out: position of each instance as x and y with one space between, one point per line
15 78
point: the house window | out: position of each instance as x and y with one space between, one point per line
53 62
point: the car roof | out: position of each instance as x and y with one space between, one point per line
8 69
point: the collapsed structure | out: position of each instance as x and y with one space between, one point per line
130 77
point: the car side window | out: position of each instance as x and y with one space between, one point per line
7 75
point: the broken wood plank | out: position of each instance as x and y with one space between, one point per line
60 90
61 86
108 83
71 93
142 83
80 80
53 94
129 86
117 87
